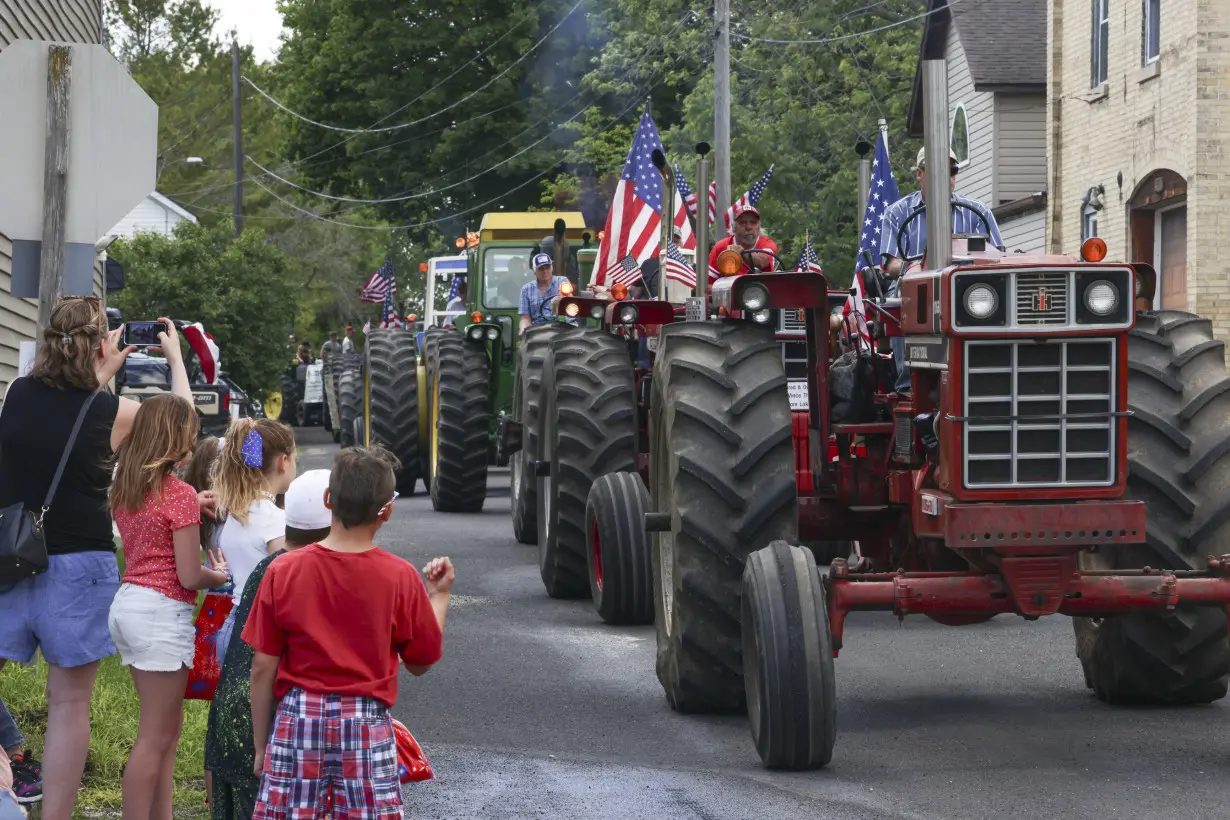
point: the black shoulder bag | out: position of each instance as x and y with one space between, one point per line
23 552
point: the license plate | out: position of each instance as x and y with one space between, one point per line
203 398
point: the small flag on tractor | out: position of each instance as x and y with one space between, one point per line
884 192
677 266
809 260
632 226
388 314
454 289
749 199
380 284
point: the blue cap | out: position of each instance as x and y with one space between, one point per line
541 260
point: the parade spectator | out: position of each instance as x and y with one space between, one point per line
330 662
200 474
229 753
455 305
747 236
26 782
348 342
151 619
538 292
76 356
330 347
255 466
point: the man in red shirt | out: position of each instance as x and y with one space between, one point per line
747 235
329 624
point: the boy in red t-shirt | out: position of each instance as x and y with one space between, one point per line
329 624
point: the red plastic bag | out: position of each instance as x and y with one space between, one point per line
203 679
412 765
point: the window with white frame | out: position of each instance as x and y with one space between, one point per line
960 135
1100 42
1089 222
1150 30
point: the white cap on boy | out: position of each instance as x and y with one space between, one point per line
305 501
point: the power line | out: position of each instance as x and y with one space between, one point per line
446 109
851 36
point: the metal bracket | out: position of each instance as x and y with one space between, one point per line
657 522
542 469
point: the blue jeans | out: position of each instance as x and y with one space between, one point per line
10 735
63 611
9 810
903 372
223 638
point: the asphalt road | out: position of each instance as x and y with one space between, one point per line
540 711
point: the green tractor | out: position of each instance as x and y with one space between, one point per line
436 405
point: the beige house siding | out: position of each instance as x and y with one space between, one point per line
1020 146
1176 118
1026 232
77 21
976 179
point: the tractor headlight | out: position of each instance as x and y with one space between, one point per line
626 314
572 310
476 333
762 316
493 333
981 301
1101 298
755 297
596 311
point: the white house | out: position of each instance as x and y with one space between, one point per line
155 214
996 55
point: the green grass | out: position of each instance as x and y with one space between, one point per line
114 716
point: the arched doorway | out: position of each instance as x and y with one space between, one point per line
1157 215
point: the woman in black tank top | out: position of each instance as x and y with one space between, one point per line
63 612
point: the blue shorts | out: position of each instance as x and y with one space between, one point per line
63 611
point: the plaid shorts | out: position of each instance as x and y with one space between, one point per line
330 756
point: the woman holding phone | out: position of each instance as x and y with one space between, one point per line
63 612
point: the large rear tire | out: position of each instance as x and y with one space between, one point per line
526 409
350 404
722 466
430 337
588 429
1179 465
619 549
788 659
392 362
461 413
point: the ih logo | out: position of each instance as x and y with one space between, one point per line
1042 300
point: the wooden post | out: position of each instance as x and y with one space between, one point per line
55 184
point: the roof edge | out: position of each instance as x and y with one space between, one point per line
1018 207
934 45
172 206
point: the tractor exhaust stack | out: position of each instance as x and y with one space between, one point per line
936 189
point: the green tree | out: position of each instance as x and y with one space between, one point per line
237 288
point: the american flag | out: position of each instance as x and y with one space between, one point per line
689 197
380 284
388 314
809 260
884 192
749 199
677 266
636 214
367 327
454 289
712 202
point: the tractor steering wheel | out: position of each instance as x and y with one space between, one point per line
745 252
921 209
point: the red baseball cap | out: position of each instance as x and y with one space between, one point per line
350 327
748 210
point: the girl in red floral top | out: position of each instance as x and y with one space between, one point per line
159 519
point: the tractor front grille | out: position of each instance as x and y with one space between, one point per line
790 321
1039 414
1041 298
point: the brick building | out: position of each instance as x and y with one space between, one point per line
1138 132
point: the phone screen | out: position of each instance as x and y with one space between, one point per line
143 334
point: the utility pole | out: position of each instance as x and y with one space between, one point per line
238 138
721 115
935 142
863 148
55 184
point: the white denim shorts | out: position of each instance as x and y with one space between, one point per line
152 632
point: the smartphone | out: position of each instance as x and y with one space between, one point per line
143 334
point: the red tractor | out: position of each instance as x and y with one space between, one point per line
1045 413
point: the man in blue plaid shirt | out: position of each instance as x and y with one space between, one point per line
541 291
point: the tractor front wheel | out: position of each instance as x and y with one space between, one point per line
619 551
722 468
1178 464
460 415
350 405
788 659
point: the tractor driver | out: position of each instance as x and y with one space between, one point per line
965 220
542 290
747 236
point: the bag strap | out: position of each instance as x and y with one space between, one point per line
68 449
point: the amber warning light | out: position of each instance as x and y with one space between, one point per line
729 263
566 289
620 291
1093 249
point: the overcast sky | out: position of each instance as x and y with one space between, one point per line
258 22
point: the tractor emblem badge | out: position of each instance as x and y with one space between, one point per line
1042 300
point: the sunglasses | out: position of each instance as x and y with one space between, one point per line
396 495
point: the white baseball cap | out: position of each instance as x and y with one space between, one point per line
921 162
542 260
305 501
